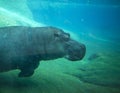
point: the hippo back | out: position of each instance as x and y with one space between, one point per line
24 41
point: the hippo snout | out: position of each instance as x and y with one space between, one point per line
75 50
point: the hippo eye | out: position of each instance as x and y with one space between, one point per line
56 34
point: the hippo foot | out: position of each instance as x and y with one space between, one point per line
26 73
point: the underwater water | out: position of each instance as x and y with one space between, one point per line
95 23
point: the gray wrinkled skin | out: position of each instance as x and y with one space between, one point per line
23 47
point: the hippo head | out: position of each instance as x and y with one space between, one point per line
74 50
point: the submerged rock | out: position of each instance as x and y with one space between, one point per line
93 56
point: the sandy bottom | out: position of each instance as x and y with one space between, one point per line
99 75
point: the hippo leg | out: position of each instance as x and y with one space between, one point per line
26 72
28 69
27 65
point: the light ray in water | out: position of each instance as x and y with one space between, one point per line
32 22
20 17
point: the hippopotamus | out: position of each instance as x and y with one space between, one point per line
23 47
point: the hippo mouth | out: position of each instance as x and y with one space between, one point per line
75 50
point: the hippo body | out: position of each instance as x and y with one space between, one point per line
24 47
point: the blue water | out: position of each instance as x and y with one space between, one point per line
103 21
95 23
